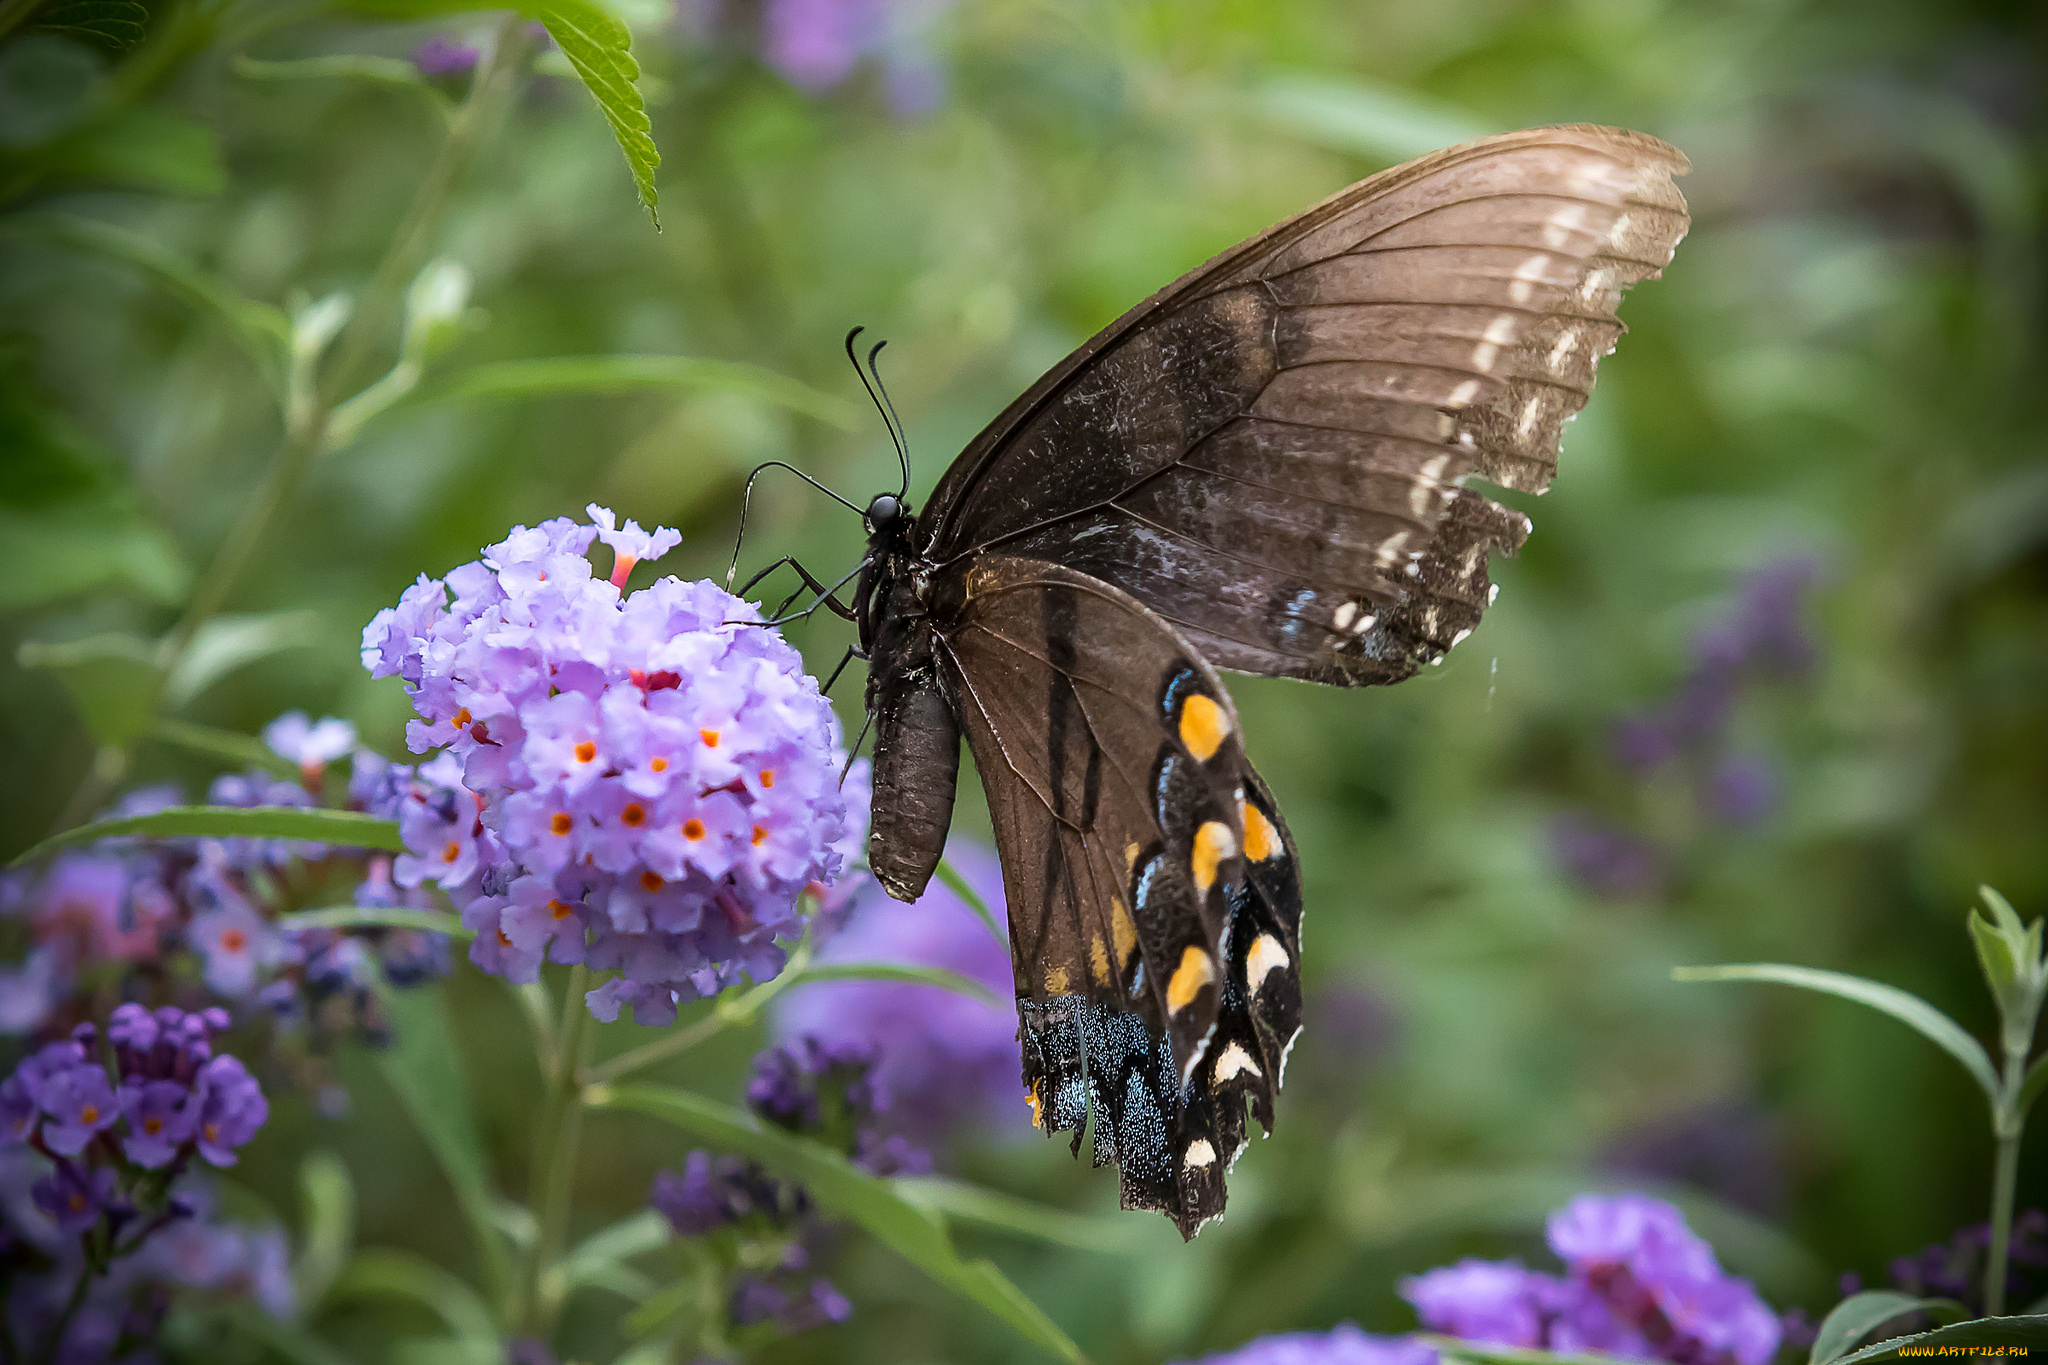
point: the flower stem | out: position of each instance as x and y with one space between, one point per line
2009 1125
554 1171
727 1012
71 1307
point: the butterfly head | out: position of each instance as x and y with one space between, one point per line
885 516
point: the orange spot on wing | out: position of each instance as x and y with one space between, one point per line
1261 840
1213 843
1196 970
1203 726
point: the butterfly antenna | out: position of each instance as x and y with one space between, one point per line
747 498
896 431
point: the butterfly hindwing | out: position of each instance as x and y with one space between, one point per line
1270 452
1123 805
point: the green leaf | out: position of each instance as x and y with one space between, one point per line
2030 1331
117 24
328 1237
345 66
223 644
113 680
264 331
229 746
917 1234
377 917
1352 114
599 1260
147 148
1857 1316
2032 1086
348 828
619 373
957 884
288 1340
49 553
385 1273
941 977
600 47
958 1200
422 1066
1907 1008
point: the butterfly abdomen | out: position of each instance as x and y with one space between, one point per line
917 747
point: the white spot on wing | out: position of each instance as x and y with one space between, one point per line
1200 1154
1567 342
1464 393
1460 638
1596 281
1235 1060
1531 410
1527 275
1266 957
1492 593
1561 225
1345 615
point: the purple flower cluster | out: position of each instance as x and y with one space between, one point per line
129 1288
647 780
817 44
439 56
1955 1269
1639 1284
711 1195
1343 1344
942 1058
172 1094
826 1091
132 904
1762 637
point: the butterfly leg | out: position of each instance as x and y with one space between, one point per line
825 597
852 652
811 583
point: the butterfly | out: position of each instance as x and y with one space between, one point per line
1261 468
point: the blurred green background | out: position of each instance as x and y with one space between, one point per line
1844 366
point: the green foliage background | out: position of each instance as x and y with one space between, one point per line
1846 360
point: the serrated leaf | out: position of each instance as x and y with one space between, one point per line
377 917
328 1234
118 24
2030 1331
918 1235
600 47
113 680
1857 1316
346 828
422 1067
1907 1008
223 644
942 977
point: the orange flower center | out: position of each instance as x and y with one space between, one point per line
560 822
586 751
77 1202
710 738
213 1132
634 815
451 851
658 763
89 1113
651 881
234 940
767 777
559 910
760 835
152 1125
503 941
693 829
462 718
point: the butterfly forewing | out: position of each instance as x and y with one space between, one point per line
1267 452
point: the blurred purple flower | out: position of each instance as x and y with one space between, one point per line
1955 1269
439 56
758 1300
1639 1285
941 1057
1499 1302
1742 789
1606 860
74 1196
312 744
647 781
1343 1344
